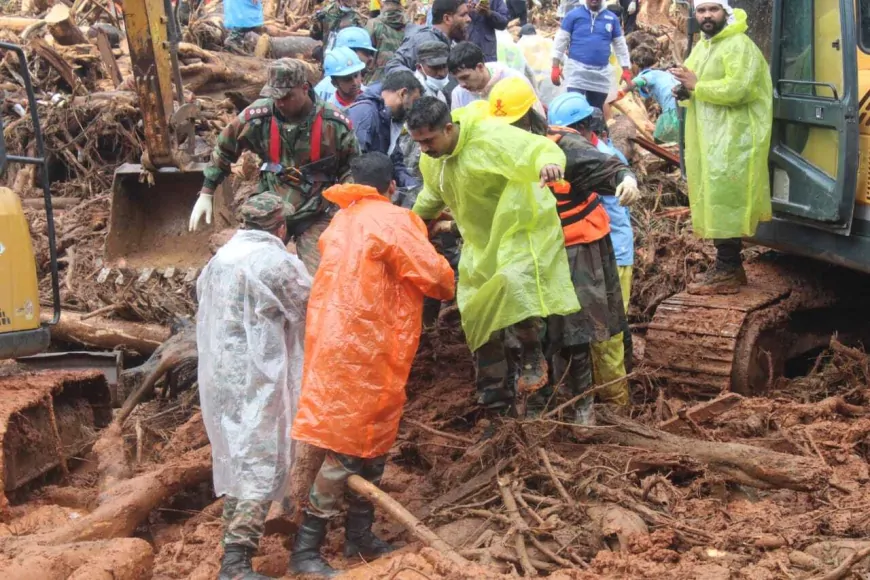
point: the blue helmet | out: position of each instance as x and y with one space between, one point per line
341 62
354 37
569 108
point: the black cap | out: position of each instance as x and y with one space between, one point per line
528 30
433 53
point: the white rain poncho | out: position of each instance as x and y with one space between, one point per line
250 330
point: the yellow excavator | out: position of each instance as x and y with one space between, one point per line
152 200
813 285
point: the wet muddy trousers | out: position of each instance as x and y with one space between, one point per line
728 253
496 363
244 521
330 485
577 380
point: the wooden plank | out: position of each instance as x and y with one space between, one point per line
105 48
453 496
700 413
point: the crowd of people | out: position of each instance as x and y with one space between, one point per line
430 164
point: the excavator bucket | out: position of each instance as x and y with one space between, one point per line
148 226
47 418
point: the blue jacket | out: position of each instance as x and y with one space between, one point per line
482 29
621 233
591 35
371 122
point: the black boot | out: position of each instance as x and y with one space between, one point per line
358 537
236 564
306 558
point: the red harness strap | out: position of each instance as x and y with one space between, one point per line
316 137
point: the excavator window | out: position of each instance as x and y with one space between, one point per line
864 25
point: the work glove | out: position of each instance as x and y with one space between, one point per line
627 76
556 75
632 8
204 206
627 192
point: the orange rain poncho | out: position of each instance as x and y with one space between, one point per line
364 321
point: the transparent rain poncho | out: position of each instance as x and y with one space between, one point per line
250 330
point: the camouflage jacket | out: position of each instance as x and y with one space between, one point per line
387 32
328 21
250 130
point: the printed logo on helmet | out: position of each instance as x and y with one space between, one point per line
499 109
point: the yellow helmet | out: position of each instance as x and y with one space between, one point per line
510 99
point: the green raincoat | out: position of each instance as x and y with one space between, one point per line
728 126
513 263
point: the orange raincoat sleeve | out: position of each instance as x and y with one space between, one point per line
364 321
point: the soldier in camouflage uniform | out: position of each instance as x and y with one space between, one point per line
333 17
387 32
290 110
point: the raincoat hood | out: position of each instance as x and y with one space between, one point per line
364 322
345 195
737 24
728 125
513 264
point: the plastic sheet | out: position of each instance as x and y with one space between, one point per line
364 322
513 263
728 127
249 330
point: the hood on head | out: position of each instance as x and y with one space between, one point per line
737 24
344 194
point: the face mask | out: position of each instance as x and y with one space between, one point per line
345 8
437 84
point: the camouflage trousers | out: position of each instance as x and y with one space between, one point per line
496 362
330 485
306 243
244 521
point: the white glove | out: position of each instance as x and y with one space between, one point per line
204 206
632 8
627 192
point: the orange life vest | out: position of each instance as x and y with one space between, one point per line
584 220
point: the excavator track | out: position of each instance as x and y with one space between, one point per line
702 346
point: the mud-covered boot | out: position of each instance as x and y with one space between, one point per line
305 557
719 280
533 371
584 412
236 564
359 540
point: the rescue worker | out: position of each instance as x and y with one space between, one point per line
487 16
476 77
589 174
728 94
432 69
289 128
241 17
513 271
249 329
387 32
612 355
334 16
358 40
450 21
658 85
342 78
587 35
359 348
378 116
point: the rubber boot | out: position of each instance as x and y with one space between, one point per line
305 557
533 371
236 564
719 280
359 540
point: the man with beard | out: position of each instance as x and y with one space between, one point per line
450 20
728 94
378 116
513 271
587 34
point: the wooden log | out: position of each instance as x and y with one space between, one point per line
56 61
17 23
62 26
99 332
108 57
737 462
398 512
56 202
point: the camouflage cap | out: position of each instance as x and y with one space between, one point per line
264 211
284 74
433 53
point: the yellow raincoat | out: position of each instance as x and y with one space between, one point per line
513 263
728 126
